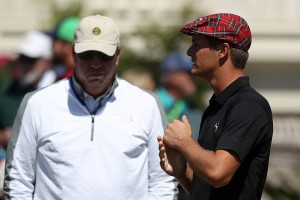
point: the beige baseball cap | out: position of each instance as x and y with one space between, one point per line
97 33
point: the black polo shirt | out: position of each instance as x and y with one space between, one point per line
238 120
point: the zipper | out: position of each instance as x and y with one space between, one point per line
81 100
92 129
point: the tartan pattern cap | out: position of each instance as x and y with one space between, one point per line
224 26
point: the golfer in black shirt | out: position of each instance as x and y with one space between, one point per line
230 159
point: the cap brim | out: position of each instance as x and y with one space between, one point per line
108 49
51 33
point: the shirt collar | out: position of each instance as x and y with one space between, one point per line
83 95
230 90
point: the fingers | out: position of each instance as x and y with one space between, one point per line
160 142
176 123
159 138
162 153
161 146
187 124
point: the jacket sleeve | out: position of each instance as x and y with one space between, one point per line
21 155
161 185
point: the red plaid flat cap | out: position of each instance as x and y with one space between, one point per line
224 26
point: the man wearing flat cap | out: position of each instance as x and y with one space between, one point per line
92 136
230 159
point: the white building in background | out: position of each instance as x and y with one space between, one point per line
274 63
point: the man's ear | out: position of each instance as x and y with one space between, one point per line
118 53
223 52
73 54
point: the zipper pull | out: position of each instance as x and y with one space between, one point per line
92 130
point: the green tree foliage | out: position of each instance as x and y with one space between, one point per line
158 40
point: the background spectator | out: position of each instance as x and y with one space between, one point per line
177 85
31 70
63 37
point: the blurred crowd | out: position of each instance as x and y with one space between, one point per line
42 58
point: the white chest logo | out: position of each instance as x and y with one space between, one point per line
216 126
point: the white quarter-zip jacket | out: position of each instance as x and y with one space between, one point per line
61 151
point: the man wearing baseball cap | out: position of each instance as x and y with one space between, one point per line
63 38
92 136
230 159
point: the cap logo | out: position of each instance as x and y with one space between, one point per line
96 31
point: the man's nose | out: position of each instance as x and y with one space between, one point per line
96 61
189 52
96 58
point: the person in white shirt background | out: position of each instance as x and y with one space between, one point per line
29 70
92 136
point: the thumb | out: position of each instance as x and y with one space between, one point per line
185 120
187 124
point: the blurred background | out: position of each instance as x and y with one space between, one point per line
150 31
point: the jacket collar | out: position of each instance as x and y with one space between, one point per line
82 95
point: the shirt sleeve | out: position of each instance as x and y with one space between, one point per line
161 185
21 155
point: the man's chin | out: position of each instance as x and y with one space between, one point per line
95 83
96 79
